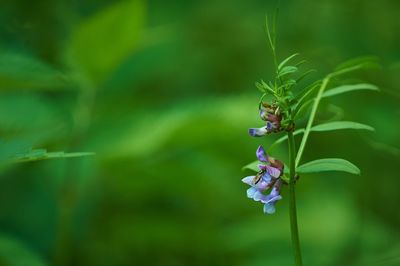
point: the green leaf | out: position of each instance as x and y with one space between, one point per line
300 63
305 74
288 83
253 166
22 71
271 37
287 70
328 164
42 154
355 64
304 97
15 252
302 110
337 125
259 86
100 43
267 88
348 88
284 62
284 138
365 61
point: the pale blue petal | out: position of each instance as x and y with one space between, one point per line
251 191
258 196
266 177
269 208
249 180
258 132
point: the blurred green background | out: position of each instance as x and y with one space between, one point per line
163 92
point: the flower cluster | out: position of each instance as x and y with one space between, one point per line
268 177
273 117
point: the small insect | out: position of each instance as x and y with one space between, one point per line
258 177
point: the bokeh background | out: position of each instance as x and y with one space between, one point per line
163 92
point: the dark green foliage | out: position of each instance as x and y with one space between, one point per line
163 93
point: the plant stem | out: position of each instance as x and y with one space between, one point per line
292 202
311 120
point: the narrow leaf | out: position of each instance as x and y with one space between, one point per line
354 65
348 88
301 110
359 61
284 138
287 70
266 87
284 62
270 38
42 154
305 95
328 164
337 125
260 87
300 63
305 74
289 82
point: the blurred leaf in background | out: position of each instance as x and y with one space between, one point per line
163 94
100 43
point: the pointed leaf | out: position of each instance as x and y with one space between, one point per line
260 87
253 166
305 95
287 70
289 82
300 63
267 87
359 61
328 164
348 88
271 38
336 125
284 62
42 154
285 137
354 65
304 108
305 74
330 126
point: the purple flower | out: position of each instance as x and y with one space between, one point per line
271 115
259 183
275 167
270 200
262 131
259 132
261 154
268 176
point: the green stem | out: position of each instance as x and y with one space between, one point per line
311 119
292 202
